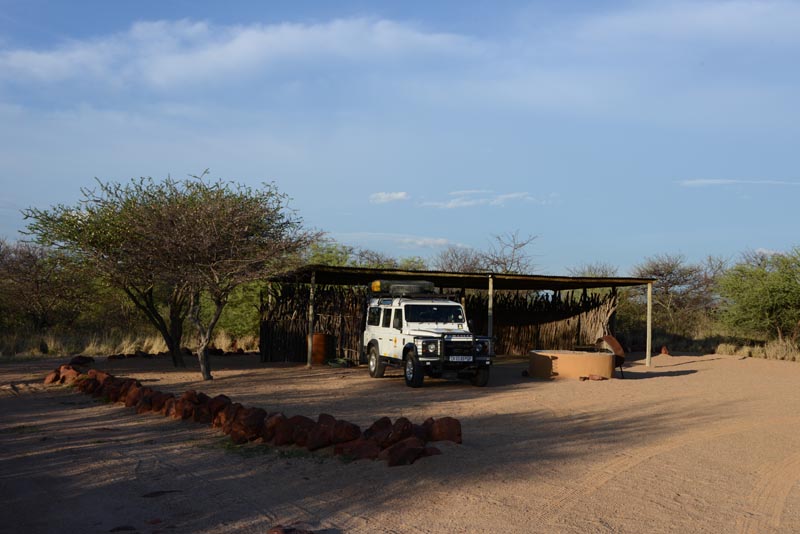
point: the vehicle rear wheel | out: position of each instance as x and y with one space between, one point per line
413 372
481 377
376 366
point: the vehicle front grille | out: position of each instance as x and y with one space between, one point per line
458 348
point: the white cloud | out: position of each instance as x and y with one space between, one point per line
640 62
471 198
165 54
460 202
402 240
467 192
738 21
384 197
427 242
710 183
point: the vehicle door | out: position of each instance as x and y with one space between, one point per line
396 333
386 334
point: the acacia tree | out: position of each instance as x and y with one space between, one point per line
45 286
326 251
240 235
683 293
508 254
762 295
164 243
459 259
113 230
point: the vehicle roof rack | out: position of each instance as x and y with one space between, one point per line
403 288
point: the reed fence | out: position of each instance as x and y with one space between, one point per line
522 320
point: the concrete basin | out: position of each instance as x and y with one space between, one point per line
570 364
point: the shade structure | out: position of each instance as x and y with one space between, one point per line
489 281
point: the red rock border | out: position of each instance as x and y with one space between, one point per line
398 443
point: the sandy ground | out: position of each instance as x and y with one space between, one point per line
692 444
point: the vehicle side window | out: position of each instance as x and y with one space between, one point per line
397 320
387 317
374 316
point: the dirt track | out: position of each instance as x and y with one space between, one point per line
694 444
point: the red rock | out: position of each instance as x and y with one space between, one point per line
185 409
191 396
133 396
284 432
380 425
87 386
403 452
127 384
446 429
113 392
226 417
344 431
249 422
145 404
359 449
421 432
169 407
326 419
202 414
176 409
218 403
401 430
427 424
52 378
159 399
379 431
319 437
238 434
100 376
68 375
301 426
270 424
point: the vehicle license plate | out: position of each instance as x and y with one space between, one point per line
460 358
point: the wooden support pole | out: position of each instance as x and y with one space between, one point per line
649 323
612 322
311 318
490 326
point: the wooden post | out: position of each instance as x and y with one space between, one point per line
612 321
649 323
311 318
490 326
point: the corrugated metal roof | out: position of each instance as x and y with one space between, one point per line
361 276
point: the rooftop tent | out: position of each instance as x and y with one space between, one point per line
361 276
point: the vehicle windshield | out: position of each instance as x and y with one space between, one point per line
434 313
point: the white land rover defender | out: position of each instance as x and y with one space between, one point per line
409 326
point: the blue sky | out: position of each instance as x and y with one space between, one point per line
612 130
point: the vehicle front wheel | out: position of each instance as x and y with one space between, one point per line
413 372
376 366
481 377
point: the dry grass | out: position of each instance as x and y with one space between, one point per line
773 350
49 345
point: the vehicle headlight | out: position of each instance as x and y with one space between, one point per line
480 347
430 347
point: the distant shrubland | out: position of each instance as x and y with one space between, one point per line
105 277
